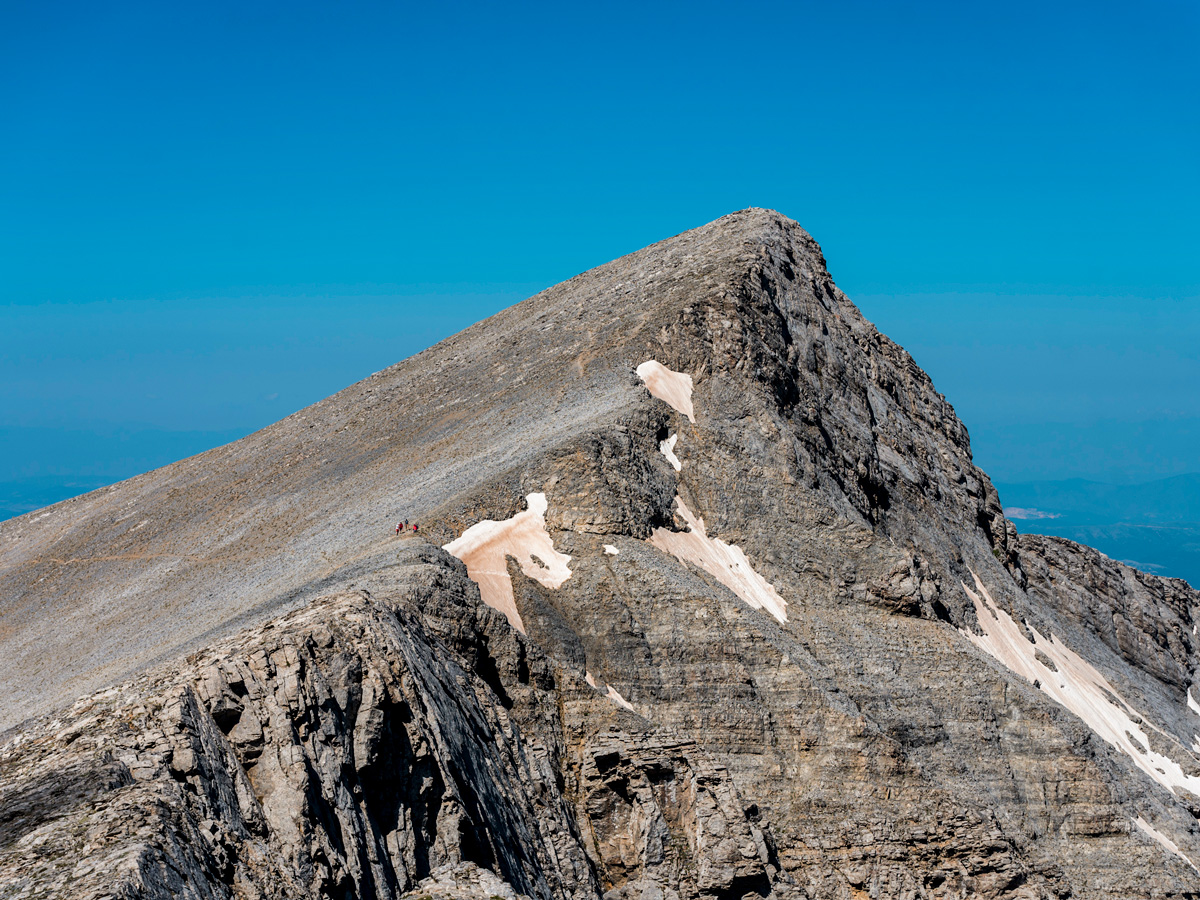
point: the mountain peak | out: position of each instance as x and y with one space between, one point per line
743 306
676 579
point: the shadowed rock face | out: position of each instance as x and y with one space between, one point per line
354 721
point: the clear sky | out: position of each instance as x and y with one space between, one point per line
212 214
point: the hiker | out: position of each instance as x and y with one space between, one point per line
414 527
398 528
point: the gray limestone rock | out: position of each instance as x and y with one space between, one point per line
230 678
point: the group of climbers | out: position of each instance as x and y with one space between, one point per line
404 526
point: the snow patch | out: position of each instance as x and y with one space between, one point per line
1192 704
1076 684
1167 844
667 449
673 388
610 550
725 562
618 699
611 693
484 548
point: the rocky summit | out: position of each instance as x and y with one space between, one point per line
705 599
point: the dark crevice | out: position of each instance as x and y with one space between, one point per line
758 884
485 668
940 611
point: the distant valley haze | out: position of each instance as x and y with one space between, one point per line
1154 526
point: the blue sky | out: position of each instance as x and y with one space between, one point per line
214 214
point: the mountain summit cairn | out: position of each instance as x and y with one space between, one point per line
708 600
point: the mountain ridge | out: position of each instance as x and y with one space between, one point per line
408 374
924 710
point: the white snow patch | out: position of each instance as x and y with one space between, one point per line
485 545
1077 685
667 449
610 550
673 388
1192 704
618 699
611 693
725 562
1167 844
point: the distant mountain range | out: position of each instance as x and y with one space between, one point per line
1154 526
27 494
70 462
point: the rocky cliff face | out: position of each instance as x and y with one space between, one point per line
368 746
751 623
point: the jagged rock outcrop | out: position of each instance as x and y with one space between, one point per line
344 750
1148 620
798 651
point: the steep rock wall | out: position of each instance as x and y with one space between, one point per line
346 751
